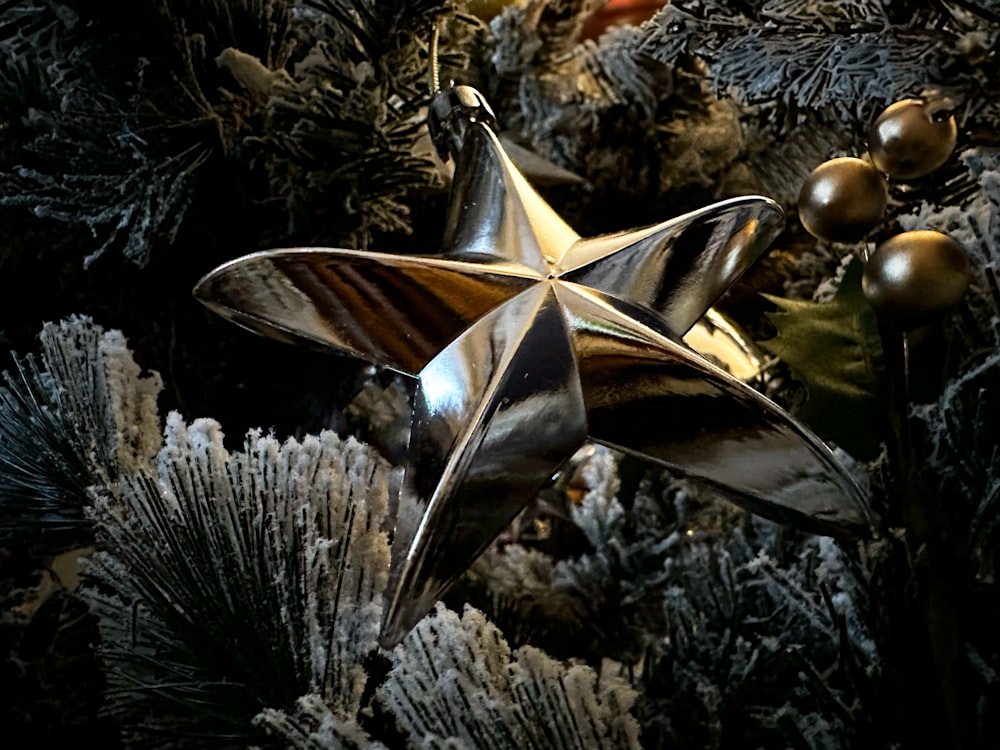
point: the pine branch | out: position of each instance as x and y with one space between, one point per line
313 726
344 143
857 73
81 417
456 683
85 154
251 579
727 673
636 127
963 453
975 224
716 608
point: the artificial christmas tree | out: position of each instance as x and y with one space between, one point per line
231 589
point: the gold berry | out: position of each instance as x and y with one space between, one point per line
842 200
913 137
916 276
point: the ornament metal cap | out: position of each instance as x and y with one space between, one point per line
525 340
451 113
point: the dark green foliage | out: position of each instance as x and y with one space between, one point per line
761 632
798 68
200 650
339 141
593 586
87 151
735 630
834 348
641 131
123 116
773 66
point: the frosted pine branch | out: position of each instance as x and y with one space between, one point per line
362 77
80 415
814 71
456 684
975 225
253 578
313 726
743 630
963 436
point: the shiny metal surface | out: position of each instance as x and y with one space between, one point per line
496 213
526 339
719 340
450 115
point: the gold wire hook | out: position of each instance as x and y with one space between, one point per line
435 71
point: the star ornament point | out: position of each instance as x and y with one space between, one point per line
525 341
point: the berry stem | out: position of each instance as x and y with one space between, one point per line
926 637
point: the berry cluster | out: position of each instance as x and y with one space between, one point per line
915 276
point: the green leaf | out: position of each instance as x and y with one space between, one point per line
835 350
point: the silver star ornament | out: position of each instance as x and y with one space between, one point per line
526 340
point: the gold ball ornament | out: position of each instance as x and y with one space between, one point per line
842 200
913 137
916 276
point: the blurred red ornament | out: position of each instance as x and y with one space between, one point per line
620 13
485 10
